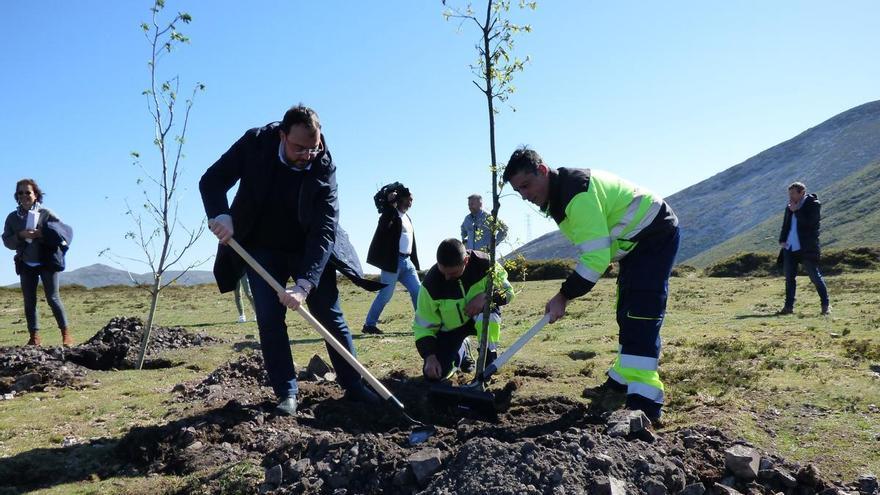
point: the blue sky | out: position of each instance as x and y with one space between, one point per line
663 93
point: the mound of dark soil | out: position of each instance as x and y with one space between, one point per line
25 369
117 345
547 445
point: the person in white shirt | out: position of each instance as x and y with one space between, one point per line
393 250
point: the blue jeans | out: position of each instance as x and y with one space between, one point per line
790 261
323 304
29 278
406 274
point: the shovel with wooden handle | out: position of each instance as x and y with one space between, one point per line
421 431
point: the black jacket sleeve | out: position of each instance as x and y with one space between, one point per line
322 231
222 175
786 225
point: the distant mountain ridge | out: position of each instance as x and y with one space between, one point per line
99 275
834 158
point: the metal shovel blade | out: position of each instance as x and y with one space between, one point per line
421 434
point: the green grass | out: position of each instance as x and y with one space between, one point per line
798 385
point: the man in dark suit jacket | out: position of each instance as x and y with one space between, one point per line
799 240
285 214
393 250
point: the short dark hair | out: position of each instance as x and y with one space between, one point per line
524 159
300 115
28 182
451 252
798 186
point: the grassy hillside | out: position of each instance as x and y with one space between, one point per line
803 385
850 217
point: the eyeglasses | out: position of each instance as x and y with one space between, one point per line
306 152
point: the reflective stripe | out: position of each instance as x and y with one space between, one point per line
493 317
645 390
587 273
631 211
616 377
652 212
638 362
425 323
594 244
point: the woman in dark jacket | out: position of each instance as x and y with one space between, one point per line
23 233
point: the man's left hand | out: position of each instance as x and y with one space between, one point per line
293 298
555 307
475 306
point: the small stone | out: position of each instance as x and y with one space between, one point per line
868 484
742 461
618 430
322 467
654 487
425 463
808 475
721 489
602 462
610 486
195 446
274 476
527 447
766 463
785 477
646 436
694 489
617 487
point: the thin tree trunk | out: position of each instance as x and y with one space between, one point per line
490 285
145 340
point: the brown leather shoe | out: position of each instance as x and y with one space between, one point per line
35 338
66 339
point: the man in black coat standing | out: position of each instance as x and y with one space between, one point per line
285 214
393 250
799 240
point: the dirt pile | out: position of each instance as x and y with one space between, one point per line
548 445
25 369
243 380
117 345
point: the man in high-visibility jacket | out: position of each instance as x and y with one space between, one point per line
610 219
450 308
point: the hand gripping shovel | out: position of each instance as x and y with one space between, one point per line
473 398
421 431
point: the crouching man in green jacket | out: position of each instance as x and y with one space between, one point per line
450 308
609 219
